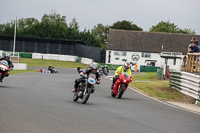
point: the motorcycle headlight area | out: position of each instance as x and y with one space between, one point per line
91 81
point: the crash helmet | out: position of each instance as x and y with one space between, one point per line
6 56
126 65
93 68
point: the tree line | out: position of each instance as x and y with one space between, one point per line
55 26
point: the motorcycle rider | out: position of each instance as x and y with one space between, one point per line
50 68
91 69
10 64
122 69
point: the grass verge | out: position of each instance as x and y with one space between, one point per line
54 63
45 63
153 87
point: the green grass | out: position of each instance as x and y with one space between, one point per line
146 76
22 71
46 63
155 88
54 63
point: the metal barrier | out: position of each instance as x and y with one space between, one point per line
186 83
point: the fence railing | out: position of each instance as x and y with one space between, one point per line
186 83
192 64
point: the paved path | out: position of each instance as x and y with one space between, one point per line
42 103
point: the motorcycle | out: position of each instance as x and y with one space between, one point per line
3 69
54 70
121 85
100 70
85 88
105 71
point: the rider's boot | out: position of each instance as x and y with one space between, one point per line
73 90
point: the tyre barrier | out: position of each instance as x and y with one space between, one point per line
186 83
45 71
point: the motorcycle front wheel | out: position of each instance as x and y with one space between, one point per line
121 91
112 93
86 96
75 97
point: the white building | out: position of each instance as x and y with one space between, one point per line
146 48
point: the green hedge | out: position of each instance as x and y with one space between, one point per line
148 68
25 55
110 66
21 54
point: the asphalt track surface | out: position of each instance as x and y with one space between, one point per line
42 103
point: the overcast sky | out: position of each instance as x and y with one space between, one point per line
88 13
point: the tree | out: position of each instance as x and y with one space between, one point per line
89 38
52 26
101 32
7 29
169 28
125 25
73 30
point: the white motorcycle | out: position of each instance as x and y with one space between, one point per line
4 68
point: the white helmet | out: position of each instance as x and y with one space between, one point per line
127 64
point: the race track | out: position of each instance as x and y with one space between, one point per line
42 103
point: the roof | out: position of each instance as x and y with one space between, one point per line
153 42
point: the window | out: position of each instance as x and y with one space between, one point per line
146 55
120 53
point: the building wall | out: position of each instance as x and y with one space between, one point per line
118 58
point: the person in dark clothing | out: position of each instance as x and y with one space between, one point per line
194 47
190 47
195 40
10 64
91 69
50 68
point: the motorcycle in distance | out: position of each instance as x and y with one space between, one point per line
100 70
84 89
3 68
121 85
54 70
105 71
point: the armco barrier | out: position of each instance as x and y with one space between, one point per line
54 57
187 83
1 53
86 61
19 66
37 56
159 74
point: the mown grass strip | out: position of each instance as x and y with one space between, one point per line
157 88
54 63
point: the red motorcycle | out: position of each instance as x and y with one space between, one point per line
3 69
120 85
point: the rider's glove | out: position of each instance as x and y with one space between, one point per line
131 78
10 69
98 81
